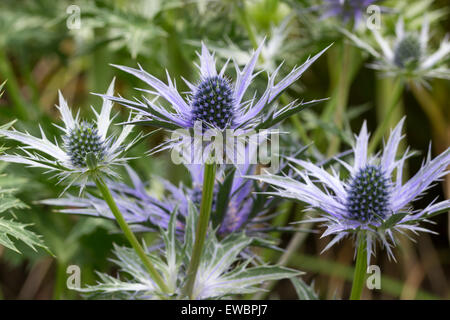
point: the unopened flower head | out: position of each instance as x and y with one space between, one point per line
86 148
373 202
215 100
408 54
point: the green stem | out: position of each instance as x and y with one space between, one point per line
393 103
60 280
101 185
360 269
209 176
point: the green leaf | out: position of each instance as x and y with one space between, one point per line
304 292
393 220
10 228
17 230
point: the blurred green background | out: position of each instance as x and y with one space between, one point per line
48 45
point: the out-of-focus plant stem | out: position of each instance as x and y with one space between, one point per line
343 63
360 269
439 125
103 188
209 177
60 280
12 86
431 108
392 90
339 98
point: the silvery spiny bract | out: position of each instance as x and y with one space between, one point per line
408 54
374 202
86 148
222 271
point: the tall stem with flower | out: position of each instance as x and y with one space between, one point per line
209 176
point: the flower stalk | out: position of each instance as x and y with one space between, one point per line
202 226
156 277
360 269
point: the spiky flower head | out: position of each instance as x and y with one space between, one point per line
368 194
86 149
407 54
222 273
373 202
212 102
215 100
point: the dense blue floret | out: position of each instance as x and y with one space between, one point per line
368 195
82 140
212 102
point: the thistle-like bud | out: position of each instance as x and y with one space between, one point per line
84 146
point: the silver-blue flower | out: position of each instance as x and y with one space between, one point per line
373 202
85 149
215 100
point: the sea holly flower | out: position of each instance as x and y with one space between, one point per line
216 277
346 10
373 203
84 150
408 54
215 101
